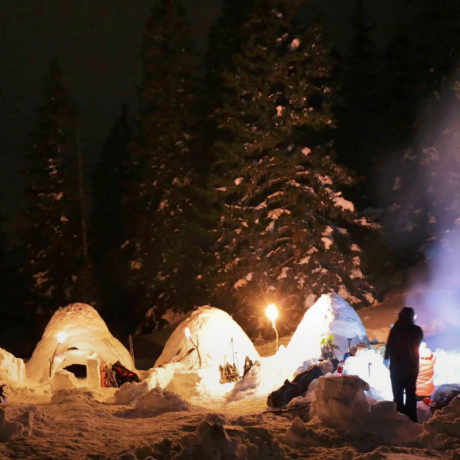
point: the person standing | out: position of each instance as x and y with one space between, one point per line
403 352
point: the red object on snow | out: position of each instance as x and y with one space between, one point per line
425 385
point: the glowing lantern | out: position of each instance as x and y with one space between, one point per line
60 339
272 314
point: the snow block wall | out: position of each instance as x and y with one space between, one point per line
219 338
87 337
329 315
12 369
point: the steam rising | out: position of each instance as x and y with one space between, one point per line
429 214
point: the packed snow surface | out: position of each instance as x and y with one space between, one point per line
335 420
83 334
329 315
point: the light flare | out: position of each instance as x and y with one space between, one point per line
61 337
272 312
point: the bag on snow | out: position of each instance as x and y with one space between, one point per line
290 390
123 375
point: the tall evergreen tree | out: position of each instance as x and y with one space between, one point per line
108 218
55 240
166 242
283 234
225 40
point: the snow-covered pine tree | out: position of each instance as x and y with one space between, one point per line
284 234
57 266
166 240
226 38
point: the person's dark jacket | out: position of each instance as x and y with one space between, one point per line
404 343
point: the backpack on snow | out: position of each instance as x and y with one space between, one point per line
124 375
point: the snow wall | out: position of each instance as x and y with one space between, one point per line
219 338
12 369
329 315
87 336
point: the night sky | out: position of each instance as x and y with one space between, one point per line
99 43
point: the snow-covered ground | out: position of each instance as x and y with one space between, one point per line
335 420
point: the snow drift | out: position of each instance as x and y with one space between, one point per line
329 315
86 337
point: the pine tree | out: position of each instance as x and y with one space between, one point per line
284 233
57 266
108 218
166 241
226 38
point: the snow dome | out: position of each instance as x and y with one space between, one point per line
75 335
217 336
329 315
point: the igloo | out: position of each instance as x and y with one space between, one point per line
329 315
76 335
219 340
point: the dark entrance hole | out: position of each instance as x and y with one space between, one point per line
79 370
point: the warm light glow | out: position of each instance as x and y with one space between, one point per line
188 333
61 337
368 364
425 352
272 312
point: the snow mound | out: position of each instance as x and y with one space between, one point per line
86 336
63 380
329 315
80 397
218 337
159 401
215 441
340 402
442 431
12 369
301 435
130 392
8 428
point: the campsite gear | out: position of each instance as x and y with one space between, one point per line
123 375
425 384
3 394
108 378
444 395
247 366
290 390
328 347
348 353
340 368
229 372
